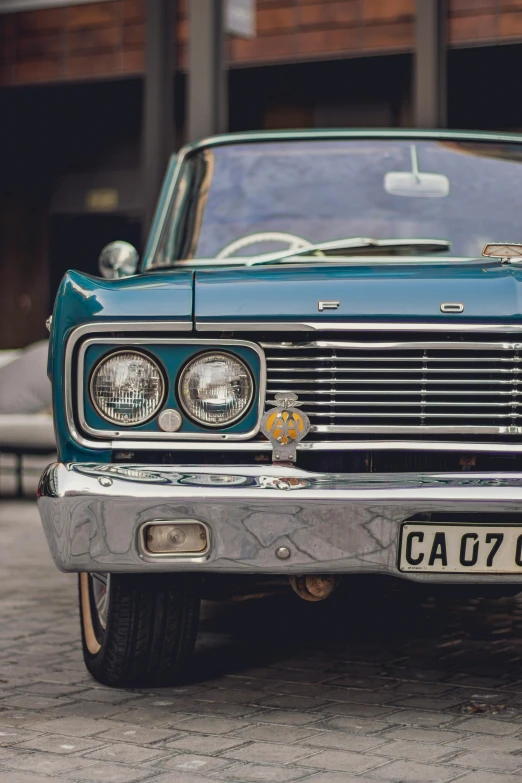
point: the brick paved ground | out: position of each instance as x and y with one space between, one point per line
424 692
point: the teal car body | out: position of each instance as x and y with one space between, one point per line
314 373
198 296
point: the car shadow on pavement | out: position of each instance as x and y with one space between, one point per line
393 623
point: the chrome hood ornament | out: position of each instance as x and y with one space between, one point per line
284 426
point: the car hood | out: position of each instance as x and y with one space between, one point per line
488 291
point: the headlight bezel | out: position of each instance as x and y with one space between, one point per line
190 415
85 348
153 360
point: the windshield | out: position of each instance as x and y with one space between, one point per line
241 201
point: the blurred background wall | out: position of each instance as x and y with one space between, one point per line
93 96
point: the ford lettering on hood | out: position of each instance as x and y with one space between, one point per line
487 290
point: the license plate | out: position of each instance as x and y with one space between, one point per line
483 549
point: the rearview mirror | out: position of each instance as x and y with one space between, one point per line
512 252
415 183
118 259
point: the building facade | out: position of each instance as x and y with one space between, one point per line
73 103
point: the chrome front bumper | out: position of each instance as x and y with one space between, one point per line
331 523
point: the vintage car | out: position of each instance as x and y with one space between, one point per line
313 372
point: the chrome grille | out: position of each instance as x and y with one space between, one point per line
401 387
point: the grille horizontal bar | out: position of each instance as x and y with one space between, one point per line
419 381
403 392
474 359
425 415
432 387
397 369
305 403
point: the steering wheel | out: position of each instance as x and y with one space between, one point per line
294 242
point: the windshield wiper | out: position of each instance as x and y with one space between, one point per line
359 246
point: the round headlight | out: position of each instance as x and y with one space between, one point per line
216 389
127 388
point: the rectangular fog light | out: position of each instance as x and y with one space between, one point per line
177 537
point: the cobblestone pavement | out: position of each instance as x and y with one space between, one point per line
383 685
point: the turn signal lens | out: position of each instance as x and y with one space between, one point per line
216 389
127 388
176 538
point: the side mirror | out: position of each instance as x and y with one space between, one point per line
118 259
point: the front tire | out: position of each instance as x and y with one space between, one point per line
138 630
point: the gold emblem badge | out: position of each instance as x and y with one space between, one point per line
285 426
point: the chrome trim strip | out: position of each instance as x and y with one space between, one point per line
377 392
401 359
170 436
394 370
462 447
344 134
419 381
420 428
223 481
161 222
351 326
427 429
412 404
361 345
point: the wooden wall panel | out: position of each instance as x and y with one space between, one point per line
337 41
398 36
133 10
511 24
133 61
277 19
484 21
104 39
311 29
39 47
34 71
108 38
319 13
391 10
473 6
38 21
81 17
472 28
90 39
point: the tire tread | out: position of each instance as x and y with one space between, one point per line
151 630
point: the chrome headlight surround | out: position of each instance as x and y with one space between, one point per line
161 383
89 433
228 355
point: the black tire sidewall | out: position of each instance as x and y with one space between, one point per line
121 663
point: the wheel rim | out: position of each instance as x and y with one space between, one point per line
100 587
